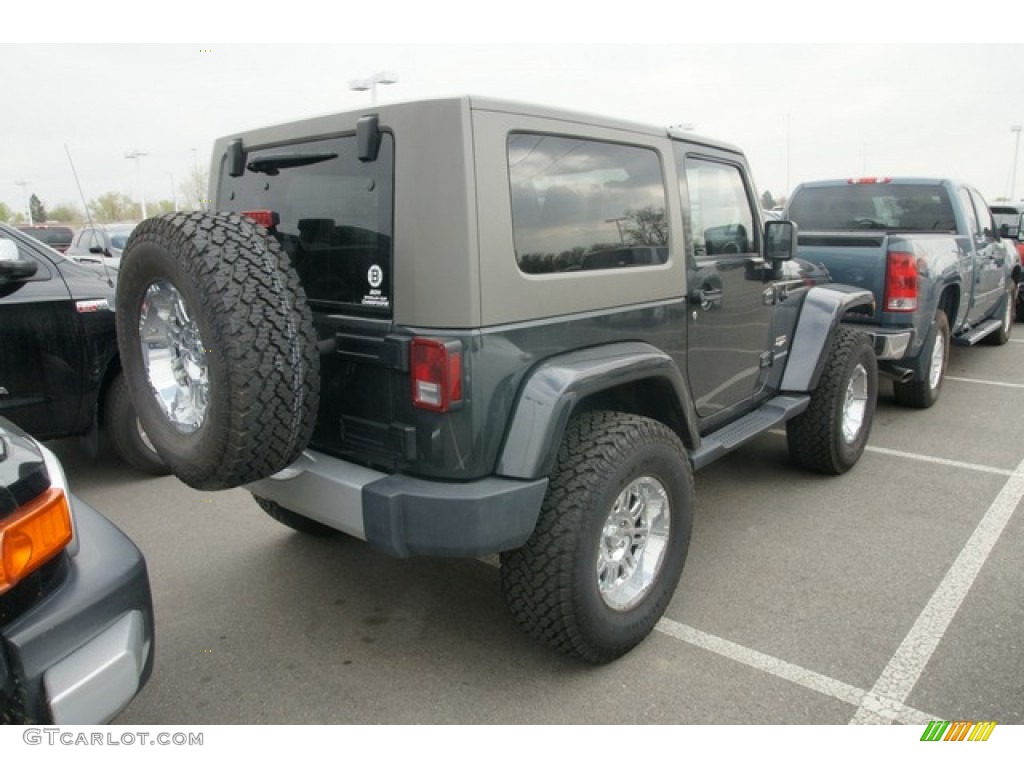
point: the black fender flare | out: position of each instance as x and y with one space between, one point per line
550 393
821 313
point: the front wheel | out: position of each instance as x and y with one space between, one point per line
125 433
1002 334
603 562
831 435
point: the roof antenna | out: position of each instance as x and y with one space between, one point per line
88 216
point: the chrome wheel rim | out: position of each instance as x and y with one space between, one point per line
1008 314
855 404
174 356
937 361
634 540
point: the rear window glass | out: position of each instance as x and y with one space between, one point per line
332 216
585 205
1006 217
905 207
49 235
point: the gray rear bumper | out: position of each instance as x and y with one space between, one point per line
403 515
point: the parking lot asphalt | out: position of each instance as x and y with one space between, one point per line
889 594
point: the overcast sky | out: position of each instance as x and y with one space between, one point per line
800 112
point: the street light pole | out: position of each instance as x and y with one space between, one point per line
28 200
1016 149
370 83
136 155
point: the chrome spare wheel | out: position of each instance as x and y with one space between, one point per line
174 356
633 543
855 404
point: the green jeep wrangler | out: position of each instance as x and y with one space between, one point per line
462 327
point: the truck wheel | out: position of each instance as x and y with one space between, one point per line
125 433
830 436
294 520
1002 335
922 393
218 347
603 562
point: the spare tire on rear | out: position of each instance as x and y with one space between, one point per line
218 347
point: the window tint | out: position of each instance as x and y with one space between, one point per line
583 205
721 216
333 217
906 207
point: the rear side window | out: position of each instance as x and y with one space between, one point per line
332 214
585 205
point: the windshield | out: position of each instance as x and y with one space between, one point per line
904 207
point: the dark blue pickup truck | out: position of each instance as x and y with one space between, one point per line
930 252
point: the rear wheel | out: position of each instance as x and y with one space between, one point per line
294 520
218 347
923 391
831 434
603 562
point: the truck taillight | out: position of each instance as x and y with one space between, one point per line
870 180
901 282
436 374
33 535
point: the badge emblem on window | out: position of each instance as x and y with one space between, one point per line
376 276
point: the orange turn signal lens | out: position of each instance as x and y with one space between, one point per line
32 535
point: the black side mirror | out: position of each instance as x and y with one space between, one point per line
12 267
780 240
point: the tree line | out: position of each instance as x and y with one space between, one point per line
111 206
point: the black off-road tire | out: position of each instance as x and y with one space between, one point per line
816 437
1007 309
294 520
256 329
921 391
125 432
550 584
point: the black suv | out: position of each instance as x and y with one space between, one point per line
60 371
462 327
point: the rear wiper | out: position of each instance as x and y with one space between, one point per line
271 164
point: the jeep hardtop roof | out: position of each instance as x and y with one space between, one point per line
326 125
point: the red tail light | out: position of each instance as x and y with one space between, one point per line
870 180
436 374
901 282
267 219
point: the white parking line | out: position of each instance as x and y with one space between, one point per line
881 706
937 460
904 669
986 381
884 703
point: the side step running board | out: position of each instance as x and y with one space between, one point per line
973 336
776 411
